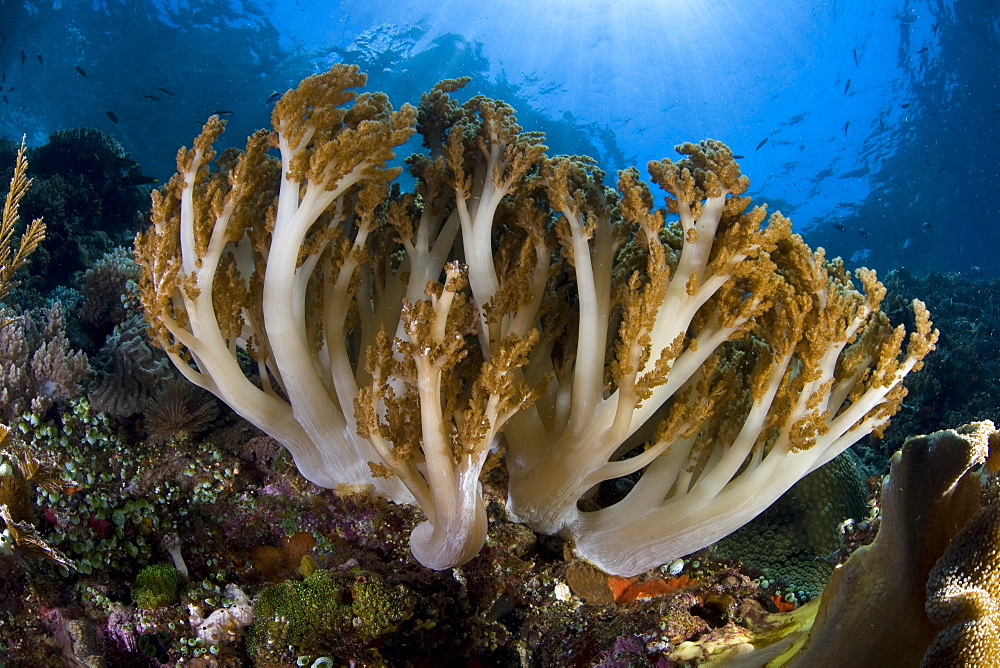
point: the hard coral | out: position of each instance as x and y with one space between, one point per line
796 540
102 289
38 368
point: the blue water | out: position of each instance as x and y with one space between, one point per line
872 124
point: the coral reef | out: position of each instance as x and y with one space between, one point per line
92 197
962 379
929 495
270 569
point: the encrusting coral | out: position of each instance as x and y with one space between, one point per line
513 304
798 539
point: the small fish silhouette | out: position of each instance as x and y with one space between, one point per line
164 90
111 115
139 180
39 56
762 142
79 70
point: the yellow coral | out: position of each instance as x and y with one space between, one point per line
12 260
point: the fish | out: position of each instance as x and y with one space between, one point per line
11 88
905 105
222 112
762 142
738 157
846 125
855 57
5 100
797 118
140 180
273 97
839 227
79 70
22 56
40 61
164 90
863 232
924 50
151 97
3 78
927 227
111 115
847 86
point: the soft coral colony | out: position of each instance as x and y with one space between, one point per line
513 310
